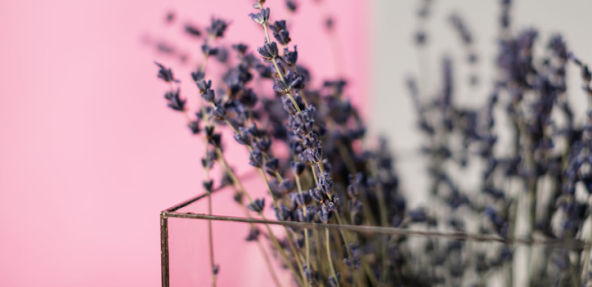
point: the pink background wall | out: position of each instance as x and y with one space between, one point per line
89 154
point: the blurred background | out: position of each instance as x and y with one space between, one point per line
89 154
395 58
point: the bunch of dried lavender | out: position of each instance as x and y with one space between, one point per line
328 177
547 161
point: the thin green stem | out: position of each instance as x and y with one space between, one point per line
261 248
211 241
269 231
587 251
290 239
210 232
314 174
347 159
304 211
512 232
269 264
277 69
345 238
332 269
383 221
288 234
318 245
266 33
531 182
321 170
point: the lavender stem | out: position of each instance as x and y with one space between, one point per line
299 186
273 238
288 234
331 268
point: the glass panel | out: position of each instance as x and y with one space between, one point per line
241 263
419 255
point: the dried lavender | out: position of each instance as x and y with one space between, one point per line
326 176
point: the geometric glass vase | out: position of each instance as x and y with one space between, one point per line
417 255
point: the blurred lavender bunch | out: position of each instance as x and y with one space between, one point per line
307 145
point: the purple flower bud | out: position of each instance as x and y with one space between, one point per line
227 180
269 51
175 101
192 31
294 80
324 215
209 131
248 98
316 194
297 167
164 73
194 127
222 55
217 27
209 96
207 162
197 76
586 75
219 113
265 71
557 45
290 58
337 85
420 37
417 215
329 24
312 156
208 185
170 17
353 189
215 140
461 28
299 243
279 189
262 17
334 280
272 166
280 86
253 234
208 50
302 123
353 262
238 197
296 147
263 144
291 5
240 48
242 140
288 105
256 158
308 273
257 205
298 200
355 206
310 214
283 213
203 86
325 183
280 32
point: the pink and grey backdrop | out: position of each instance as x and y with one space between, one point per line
89 154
